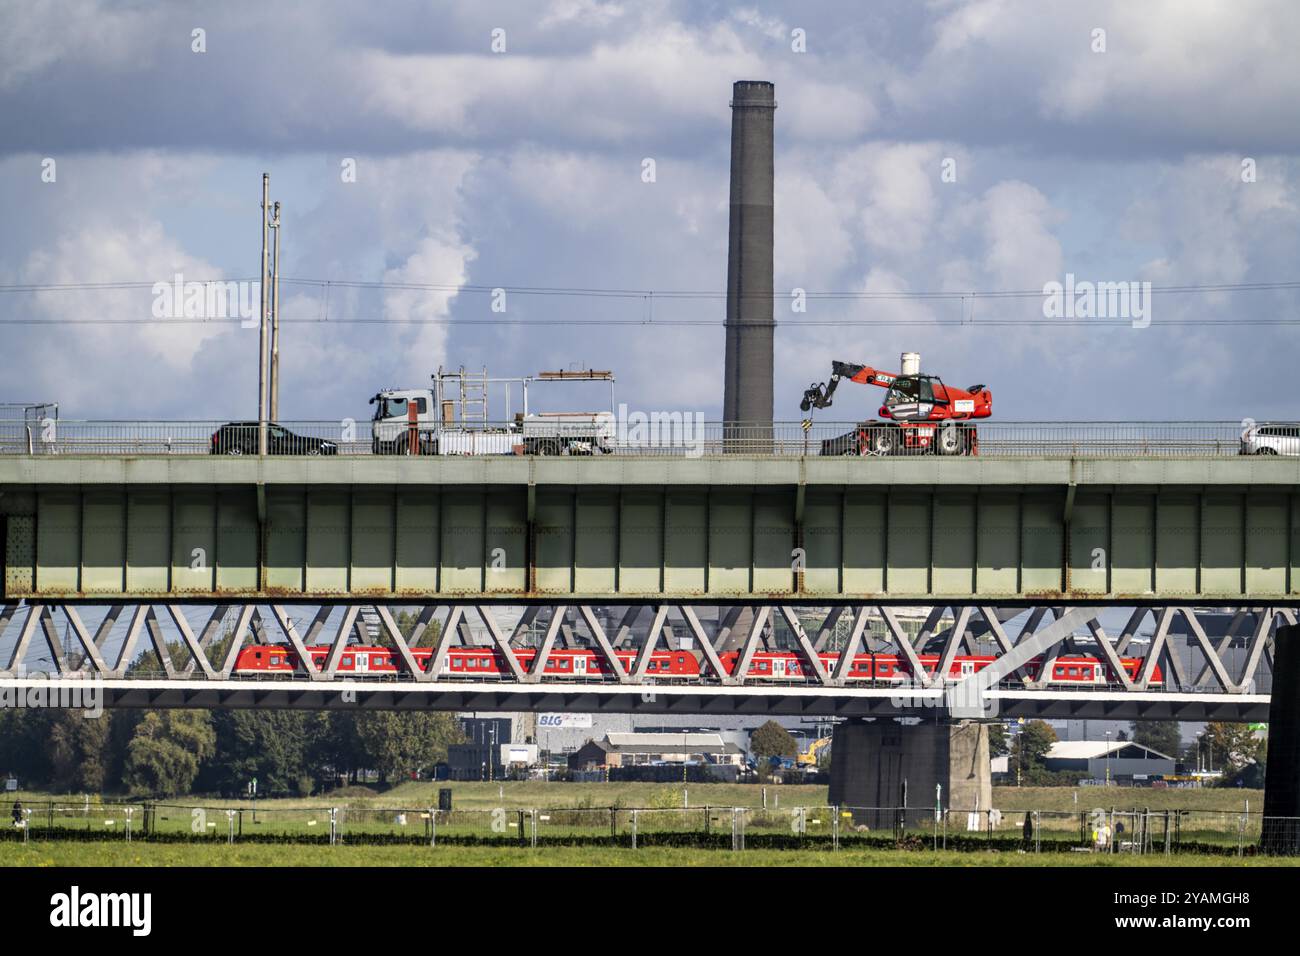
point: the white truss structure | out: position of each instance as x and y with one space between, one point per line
130 651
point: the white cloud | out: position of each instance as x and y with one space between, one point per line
84 363
1170 69
435 261
1020 249
607 92
895 184
99 34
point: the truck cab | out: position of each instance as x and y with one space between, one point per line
391 422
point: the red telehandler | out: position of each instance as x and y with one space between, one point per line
922 414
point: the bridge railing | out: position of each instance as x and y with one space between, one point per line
667 436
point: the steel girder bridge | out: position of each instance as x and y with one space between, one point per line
1017 558
1186 672
726 529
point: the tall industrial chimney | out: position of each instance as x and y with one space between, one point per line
747 382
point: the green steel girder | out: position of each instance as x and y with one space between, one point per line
802 530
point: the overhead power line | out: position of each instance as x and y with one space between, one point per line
584 292
497 320
649 320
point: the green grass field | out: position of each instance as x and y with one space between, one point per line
513 795
595 823
140 854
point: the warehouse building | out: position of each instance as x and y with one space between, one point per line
1121 761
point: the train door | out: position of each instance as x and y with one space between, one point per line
579 665
363 662
967 668
778 667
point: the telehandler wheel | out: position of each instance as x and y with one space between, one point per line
884 441
950 440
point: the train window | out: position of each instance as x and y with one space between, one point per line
347 660
762 665
276 659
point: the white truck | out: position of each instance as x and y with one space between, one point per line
453 418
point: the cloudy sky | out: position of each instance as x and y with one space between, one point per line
1163 149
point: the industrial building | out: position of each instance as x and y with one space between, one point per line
644 749
1120 761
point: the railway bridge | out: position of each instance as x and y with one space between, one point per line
1017 560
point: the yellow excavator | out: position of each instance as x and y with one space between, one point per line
808 758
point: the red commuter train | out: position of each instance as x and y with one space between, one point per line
487 663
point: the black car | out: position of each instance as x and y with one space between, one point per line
240 438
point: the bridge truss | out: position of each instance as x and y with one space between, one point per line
194 649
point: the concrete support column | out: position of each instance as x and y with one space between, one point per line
873 764
1281 832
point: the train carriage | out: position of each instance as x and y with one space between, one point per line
488 663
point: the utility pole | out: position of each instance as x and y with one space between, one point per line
275 318
261 336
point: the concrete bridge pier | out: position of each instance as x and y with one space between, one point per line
1281 830
874 763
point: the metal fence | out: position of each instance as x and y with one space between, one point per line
1100 830
673 437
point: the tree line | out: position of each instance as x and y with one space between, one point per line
162 753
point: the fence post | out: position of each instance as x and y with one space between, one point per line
127 813
533 812
835 828
230 826
634 829
433 827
